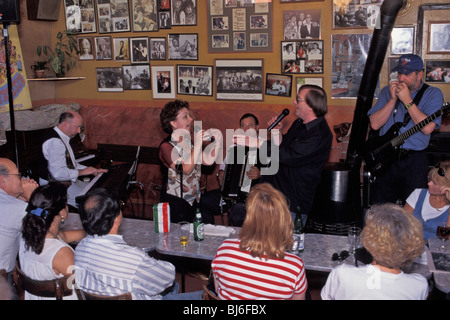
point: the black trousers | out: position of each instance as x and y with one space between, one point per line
406 174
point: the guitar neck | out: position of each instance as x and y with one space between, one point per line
408 133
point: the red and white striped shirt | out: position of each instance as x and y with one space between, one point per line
241 276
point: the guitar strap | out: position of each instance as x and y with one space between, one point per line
416 101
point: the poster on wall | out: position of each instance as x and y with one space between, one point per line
20 89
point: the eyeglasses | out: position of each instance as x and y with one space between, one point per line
340 257
13 174
441 172
298 100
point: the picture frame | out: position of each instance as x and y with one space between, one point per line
86 48
184 12
164 20
301 24
402 40
139 50
438 37
158 49
145 15
279 85
121 49
297 1
80 17
355 15
347 64
113 16
163 82
103 48
109 79
183 46
437 71
304 56
164 5
300 81
239 79
195 80
239 26
136 77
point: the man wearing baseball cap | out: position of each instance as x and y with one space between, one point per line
406 100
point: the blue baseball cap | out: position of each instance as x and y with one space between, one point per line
408 63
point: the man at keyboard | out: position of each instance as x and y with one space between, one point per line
56 160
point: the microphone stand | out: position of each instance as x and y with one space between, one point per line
10 93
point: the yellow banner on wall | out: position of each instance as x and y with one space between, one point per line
20 90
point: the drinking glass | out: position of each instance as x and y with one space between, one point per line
443 233
353 238
183 231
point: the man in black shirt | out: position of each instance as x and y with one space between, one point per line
303 150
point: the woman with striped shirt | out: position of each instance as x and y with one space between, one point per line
257 266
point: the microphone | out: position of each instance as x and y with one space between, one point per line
280 117
209 138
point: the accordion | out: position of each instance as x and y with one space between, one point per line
236 184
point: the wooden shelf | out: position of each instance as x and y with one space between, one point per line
56 79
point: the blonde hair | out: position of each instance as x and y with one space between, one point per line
267 229
393 237
437 179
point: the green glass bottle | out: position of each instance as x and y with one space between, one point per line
298 234
198 226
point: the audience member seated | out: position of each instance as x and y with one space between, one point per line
257 266
44 253
394 239
106 265
14 194
431 205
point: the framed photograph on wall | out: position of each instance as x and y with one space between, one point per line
121 49
139 50
109 79
157 48
356 14
300 81
437 71
402 40
439 37
145 15
302 56
184 12
113 16
301 24
183 46
86 47
239 79
348 60
297 1
103 48
80 17
278 85
136 77
163 82
239 26
194 80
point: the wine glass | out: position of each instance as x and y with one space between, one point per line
443 233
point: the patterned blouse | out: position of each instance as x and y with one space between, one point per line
191 182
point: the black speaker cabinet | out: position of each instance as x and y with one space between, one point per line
9 11
43 9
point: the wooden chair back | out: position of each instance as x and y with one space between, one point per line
83 295
56 288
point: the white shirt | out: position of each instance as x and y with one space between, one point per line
54 151
428 212
11 214
40 266
347 282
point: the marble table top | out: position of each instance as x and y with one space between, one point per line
319 248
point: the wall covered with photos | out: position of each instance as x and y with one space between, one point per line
113 35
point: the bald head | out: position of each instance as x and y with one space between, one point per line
10 179
70 123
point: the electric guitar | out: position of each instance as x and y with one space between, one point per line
381 152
